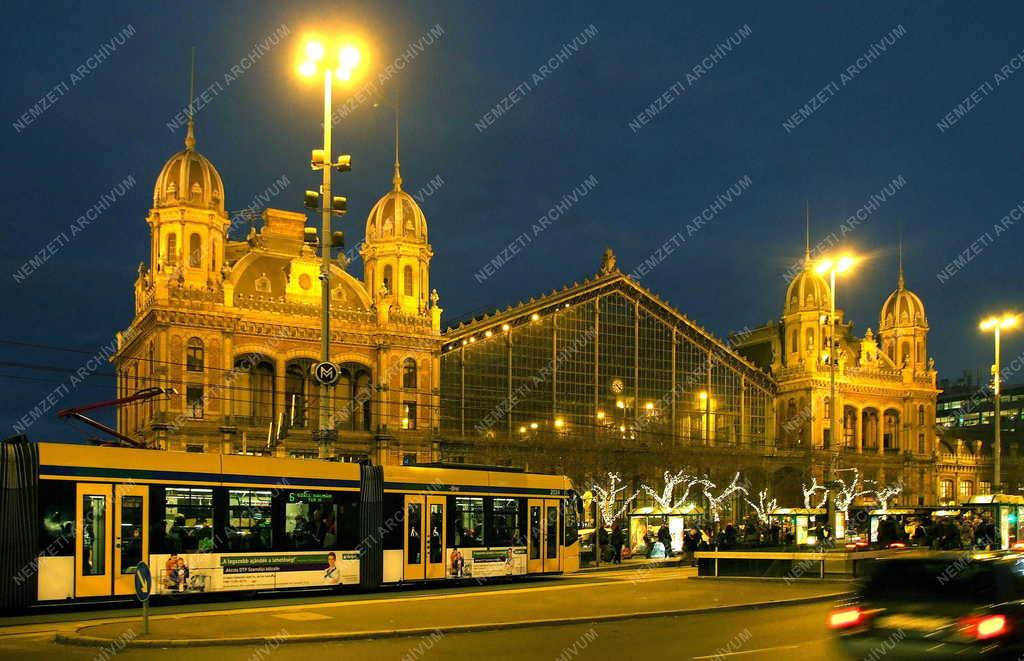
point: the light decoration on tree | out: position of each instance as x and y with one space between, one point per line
885 494
606 499
809 492
670 482
847 493
716 502
763 507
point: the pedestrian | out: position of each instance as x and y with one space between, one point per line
691 540
665 537
618 541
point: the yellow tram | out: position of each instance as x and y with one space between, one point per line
77 520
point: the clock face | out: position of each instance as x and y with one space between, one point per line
618 386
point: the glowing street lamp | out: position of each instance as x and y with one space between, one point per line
316 61
833 266
997 324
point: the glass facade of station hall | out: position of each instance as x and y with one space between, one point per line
604 361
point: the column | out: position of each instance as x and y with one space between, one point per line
879 428
858 431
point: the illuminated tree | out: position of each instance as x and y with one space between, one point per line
809 492
715 502
885 494
763 507
846 493
606 499
690 481
671 481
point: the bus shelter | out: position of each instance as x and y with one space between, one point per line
1003 511
800 522
651 519
906 520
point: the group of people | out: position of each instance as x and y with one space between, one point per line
319 531
948 533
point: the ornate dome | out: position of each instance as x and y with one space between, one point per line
902 308
189 178
396 216
808 290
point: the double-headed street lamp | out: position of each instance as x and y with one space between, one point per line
996 325
833 267
317 61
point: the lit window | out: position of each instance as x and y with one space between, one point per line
409 415
249 517
195 356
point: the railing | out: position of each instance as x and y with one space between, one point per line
196 295
876 373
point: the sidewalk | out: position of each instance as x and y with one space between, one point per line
626 596
640 563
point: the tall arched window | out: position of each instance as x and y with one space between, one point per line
904 353
172 249
195 355
409 374
213 255
794 341
195 251
388 280
261 386
920 414
407 280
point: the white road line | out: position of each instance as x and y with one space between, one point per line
757 651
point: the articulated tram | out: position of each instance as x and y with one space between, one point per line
76 520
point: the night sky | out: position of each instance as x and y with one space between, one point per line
719 125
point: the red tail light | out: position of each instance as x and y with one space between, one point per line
1018 546
844 618
983 627
897 545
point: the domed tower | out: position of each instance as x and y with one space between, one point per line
807 301
903 327
396 254
188 223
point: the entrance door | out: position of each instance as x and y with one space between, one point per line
131 534
437 539
535 539
415 546
93 523
552 536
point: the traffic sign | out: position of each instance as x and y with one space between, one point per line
143 581
326 374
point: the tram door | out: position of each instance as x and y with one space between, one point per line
93 523
131 534
415 565
436 536
544 553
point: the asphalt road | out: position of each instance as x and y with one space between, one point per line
794 632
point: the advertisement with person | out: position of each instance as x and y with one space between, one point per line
213 572
485 563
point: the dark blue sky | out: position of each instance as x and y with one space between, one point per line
571 125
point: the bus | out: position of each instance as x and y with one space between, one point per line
76 520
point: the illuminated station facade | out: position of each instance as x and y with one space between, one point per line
599 376
233 326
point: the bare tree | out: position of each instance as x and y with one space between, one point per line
763 507
849 492
809 492
715 502
691 481
606 499
885 494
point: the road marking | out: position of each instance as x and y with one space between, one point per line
302 617
761 649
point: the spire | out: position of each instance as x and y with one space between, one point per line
807 232
899 281
190 137
397 179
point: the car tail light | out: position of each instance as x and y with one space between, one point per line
851 547
897 545
983 627
844 618
1018 546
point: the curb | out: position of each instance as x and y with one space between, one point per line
624 567
93 641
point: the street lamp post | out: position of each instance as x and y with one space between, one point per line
348 59
996 325
833 268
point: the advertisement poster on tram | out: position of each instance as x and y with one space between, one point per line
214 572
483 563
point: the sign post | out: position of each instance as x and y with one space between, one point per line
143 587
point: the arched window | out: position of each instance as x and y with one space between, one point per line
828 408
213 255
794 341
409 374
387 278
917 355
904 353
195 251
920 414
172 249
810 339
261 386
407 280
195 355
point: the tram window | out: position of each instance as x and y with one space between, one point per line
506 530
436 526
467 527
415 521
131 533
552 532
307 517
347 503
393 535
571 518
94 535
249 520
188 520
57 512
